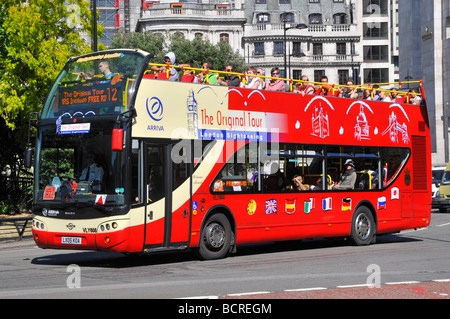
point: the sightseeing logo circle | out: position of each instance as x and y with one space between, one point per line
155 108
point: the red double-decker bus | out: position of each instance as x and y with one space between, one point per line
131 164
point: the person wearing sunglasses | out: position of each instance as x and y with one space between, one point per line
229 79
275 84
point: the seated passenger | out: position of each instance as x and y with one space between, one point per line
169 58
349 92
348 178
298 181
396 97
306 88
206 76
253 82
327 89
274 84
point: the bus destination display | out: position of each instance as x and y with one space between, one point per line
98 95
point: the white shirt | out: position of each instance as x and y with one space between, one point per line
95 174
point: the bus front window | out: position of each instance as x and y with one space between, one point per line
95 85
79 168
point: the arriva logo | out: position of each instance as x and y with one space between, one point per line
155 108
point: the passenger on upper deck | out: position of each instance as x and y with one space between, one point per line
275 85
306 88
169 58
260 71
367 95
207 77
383 97
349 92
414 98
253 82
396 97
326 89
103 66
229 79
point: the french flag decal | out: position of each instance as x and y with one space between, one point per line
327 204
381 203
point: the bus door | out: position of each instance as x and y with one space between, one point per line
168 208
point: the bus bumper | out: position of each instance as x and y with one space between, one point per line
108 241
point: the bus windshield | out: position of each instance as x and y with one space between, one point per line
96 84
79 168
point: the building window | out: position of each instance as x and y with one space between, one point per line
259 48
343 76
278 48
224 37
341 48
315 18
376 75
340 18
376 53
222 9
317 49
318 75
263 18
177 8
297 74
296 48
287 17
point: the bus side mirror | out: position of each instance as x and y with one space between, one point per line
117 139
29 157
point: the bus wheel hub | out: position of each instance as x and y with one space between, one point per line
215 235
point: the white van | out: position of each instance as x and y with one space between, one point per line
437 173
443 197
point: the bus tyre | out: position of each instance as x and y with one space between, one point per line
216 238
363 227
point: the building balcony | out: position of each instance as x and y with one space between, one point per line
200 12
309 59
277 29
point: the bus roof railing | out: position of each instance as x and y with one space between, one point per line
372 87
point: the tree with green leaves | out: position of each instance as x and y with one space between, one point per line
194 52
38 36
36 39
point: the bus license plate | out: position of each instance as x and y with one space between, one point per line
71 240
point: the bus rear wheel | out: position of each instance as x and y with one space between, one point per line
216 238
363 227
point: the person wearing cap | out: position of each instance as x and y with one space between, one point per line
348 179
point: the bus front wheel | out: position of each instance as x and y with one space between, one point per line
216 238
363 227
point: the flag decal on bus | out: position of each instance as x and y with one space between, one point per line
290 206
381 203
327 204
271 206
346 204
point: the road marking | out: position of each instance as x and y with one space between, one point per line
305 289
442 280
249 293
201 297
443 225
402 283
355 286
